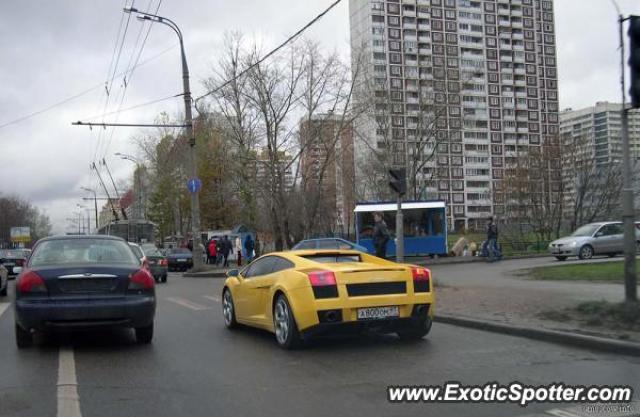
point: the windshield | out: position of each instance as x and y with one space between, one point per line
586 230
83 251
151 250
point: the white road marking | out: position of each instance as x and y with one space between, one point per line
68 398
4 307
188 304
212 298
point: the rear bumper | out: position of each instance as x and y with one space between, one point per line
41 315
158 271
390 325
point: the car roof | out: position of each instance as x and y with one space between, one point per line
305 252
319 239
80 237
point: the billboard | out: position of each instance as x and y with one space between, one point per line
20 234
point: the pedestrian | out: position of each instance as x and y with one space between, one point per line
492 240
256 247
238 247
190 245
218 251
248 248
225 247
211 251
380 235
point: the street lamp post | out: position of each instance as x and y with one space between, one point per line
139 212
195 199
95 202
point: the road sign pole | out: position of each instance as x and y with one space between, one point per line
399 232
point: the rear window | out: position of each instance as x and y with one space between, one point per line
179 250
151 250
328 258
82 251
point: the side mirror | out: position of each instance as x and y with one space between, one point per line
233 273
17 270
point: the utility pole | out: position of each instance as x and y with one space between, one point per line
113 209
630 245
95 202
195 199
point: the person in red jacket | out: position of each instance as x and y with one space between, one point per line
212 254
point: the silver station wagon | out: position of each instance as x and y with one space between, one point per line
604 238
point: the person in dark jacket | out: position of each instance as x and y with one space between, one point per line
492 240
380 235
256 247
248 248
225 249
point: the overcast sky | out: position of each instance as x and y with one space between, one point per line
52 50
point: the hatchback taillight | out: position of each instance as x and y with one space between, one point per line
421 279
30 283
163 262
141 280
323 283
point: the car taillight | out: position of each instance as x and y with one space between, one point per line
323 283
163 262
141 280
29 283
421 279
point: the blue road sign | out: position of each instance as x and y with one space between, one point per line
194 185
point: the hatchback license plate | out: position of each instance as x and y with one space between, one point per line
374 313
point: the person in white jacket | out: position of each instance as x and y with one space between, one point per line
238 248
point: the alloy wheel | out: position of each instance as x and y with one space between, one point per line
281 321
227 309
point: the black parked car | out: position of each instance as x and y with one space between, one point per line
156 261
74 282
11 258
179 259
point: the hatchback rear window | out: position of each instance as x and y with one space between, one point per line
82 251
329 258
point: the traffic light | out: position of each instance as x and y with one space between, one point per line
634 60
398 181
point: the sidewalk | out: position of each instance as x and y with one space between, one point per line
495 293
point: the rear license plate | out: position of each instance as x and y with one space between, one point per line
182 260
374 313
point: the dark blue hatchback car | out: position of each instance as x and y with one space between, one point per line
73 282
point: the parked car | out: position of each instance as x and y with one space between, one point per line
603 238
12 258
4 281
157 262
75 282
179 259
301 294
328 243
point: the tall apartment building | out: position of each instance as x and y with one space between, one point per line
594 132
489 69
327 168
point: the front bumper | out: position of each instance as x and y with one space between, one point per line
564 250
51 314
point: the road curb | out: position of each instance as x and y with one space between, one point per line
449 260
555 336
206 274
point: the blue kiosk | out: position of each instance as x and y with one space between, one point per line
425 226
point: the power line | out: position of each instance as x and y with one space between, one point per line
130 75
137 106
273 51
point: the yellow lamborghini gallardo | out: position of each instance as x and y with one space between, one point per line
299 294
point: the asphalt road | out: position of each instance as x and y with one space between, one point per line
195 367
